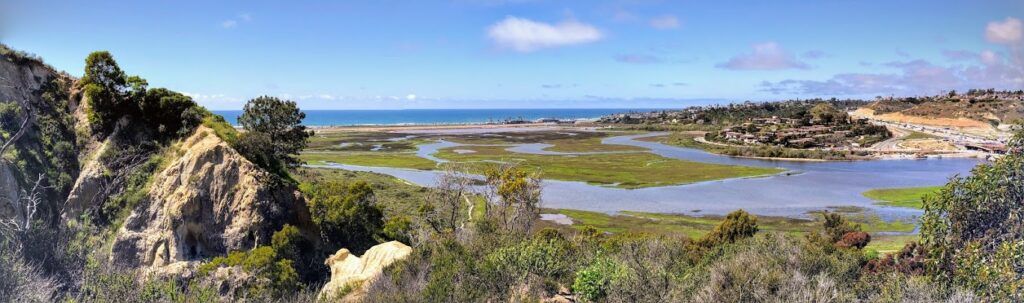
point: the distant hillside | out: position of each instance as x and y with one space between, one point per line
986 106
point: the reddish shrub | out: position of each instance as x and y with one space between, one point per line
856 239
909 260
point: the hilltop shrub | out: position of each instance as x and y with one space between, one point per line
171 113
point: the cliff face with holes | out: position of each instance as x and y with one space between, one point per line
207 201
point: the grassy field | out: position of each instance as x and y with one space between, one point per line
588 145
901 197
381 159
623 170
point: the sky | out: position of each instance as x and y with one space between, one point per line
388 54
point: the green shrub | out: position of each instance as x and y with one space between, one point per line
398 228
544 257
273 276
973 229
346 214
593 282
171 113
736 226
220 127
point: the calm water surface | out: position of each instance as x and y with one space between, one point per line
806 187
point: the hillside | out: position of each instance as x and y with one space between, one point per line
154 193
979 112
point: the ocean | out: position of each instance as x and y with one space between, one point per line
438 116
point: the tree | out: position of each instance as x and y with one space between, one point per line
106 86
514 198
274 132
445 204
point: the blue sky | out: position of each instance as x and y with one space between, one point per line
524 54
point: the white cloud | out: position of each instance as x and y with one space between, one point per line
989 57
765 56
1009 31
910 78
665 22
524 35
410 97
233 22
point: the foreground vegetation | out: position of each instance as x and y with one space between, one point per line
697 226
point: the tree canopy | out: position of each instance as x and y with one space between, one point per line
274 133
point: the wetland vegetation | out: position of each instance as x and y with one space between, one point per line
576 156
912 197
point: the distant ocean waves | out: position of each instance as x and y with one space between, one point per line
440 116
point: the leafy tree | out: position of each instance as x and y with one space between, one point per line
274 133
514 195
106 86
346 213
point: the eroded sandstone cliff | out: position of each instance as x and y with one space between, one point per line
206 202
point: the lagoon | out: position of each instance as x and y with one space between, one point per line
806 187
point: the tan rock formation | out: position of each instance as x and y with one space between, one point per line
207 202
347 269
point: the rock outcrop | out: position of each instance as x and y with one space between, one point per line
208 201
347 269
9 192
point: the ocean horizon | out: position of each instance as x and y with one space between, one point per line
441 116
